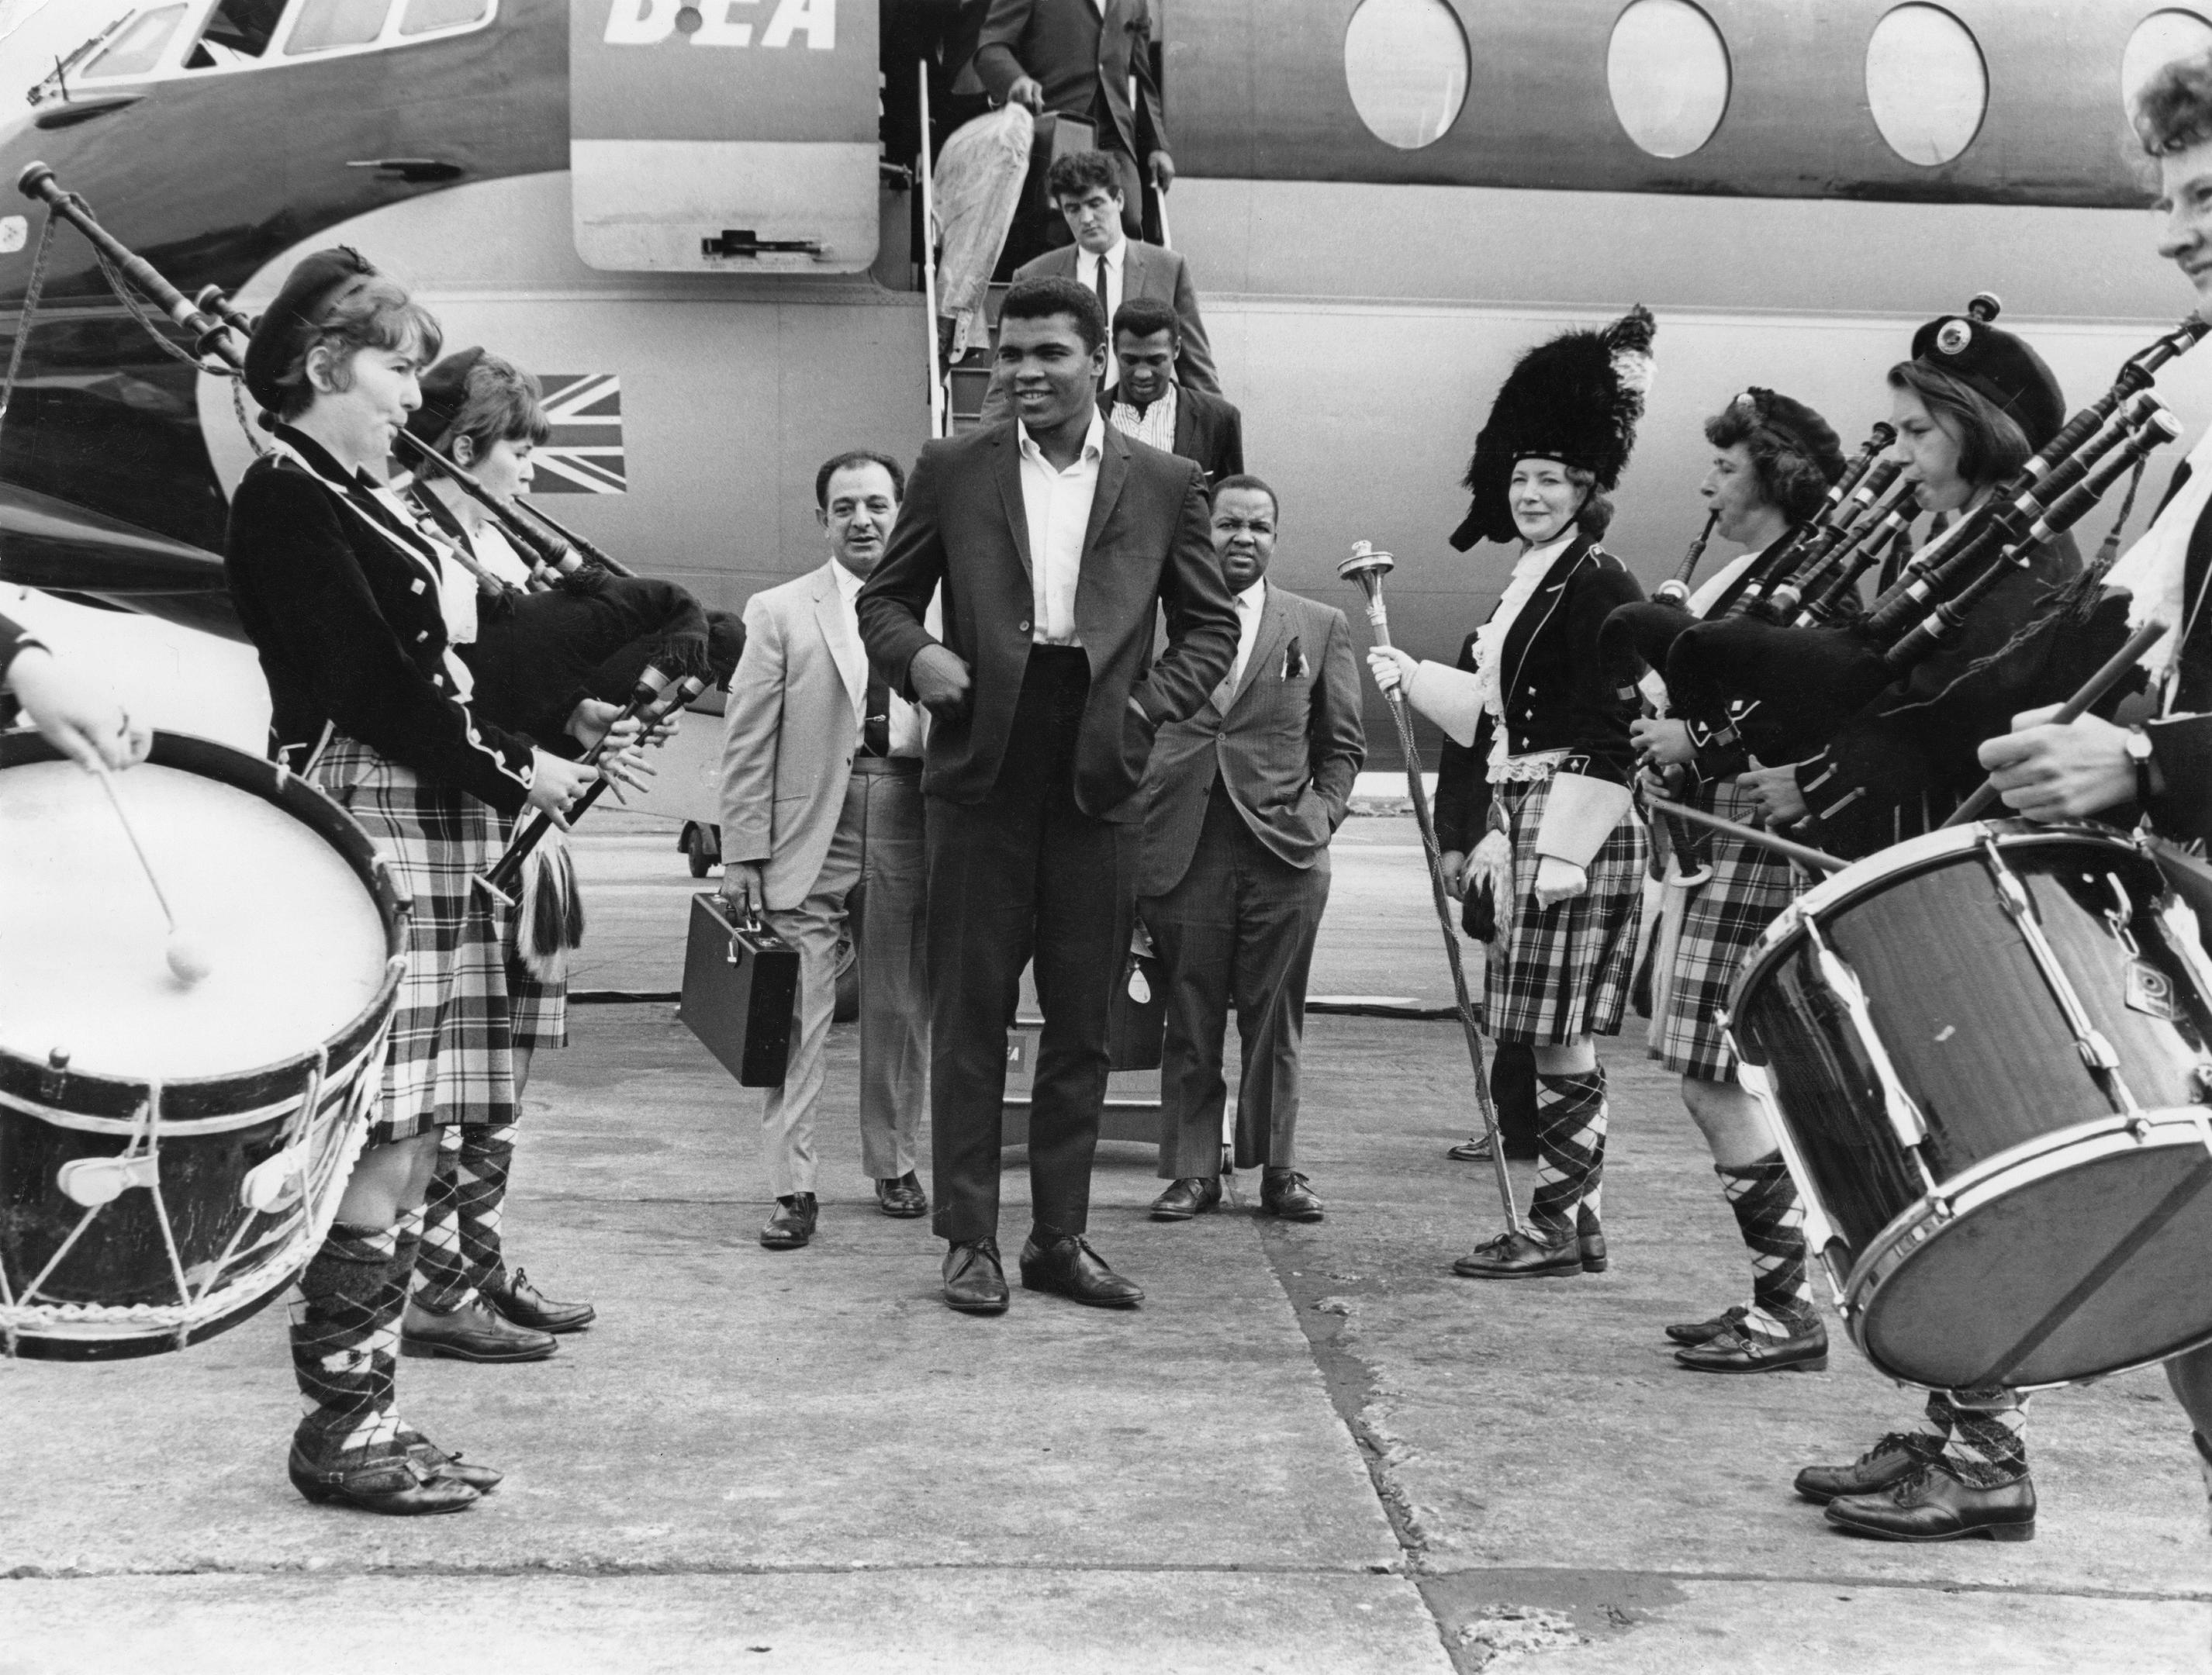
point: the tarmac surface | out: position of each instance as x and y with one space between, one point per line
1312 1449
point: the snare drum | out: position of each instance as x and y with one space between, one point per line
1987 1049
171 1156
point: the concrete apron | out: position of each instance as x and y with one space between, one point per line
1311 1449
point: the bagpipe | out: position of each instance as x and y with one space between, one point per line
1780 680
587 627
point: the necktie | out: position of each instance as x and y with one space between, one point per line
1106 309
876 725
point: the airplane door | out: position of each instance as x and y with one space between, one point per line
724 135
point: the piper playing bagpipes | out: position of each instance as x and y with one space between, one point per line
1533 810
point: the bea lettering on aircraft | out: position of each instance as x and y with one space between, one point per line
715 22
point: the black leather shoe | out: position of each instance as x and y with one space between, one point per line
474 1331
386 1480
1287 1194
792 1224
439 1464
1522 1256
1590 1239
1071 1268
1738 1350
1704 1331
1475 1149
1932 1505
1191 1195
901 1197
1894 1457
974 1283
526 1305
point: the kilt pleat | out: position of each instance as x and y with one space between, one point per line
451 1057
1560 973
1710 926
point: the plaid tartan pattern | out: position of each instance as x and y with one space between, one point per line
1718 921
450 1058
540 1009
1985 1435
461 1251
1773 1218
1560 973
345 1333
1571 1121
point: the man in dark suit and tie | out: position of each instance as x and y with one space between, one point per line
1075 58
1241 801
1057 542
1150 405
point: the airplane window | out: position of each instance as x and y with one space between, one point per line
1405 65
1926 83
2158 40
1667 70
139 47
325 24
238 32
423 16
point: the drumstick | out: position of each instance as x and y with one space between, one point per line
2074 708
188 961
1818 859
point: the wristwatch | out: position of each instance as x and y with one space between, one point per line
2137 744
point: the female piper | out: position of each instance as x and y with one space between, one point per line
1538 753
341 598
485 414
1773 459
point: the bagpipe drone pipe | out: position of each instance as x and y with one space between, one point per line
1783 689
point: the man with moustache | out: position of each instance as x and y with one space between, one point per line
1242 800
1057 542
822 794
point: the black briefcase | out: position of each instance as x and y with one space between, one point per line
740 985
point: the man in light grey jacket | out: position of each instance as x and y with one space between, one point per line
1243 800
821 793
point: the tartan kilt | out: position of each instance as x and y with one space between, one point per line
451 1058
1560 973
1713 925
540 1008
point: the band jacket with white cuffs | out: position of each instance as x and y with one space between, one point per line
1556 696
342 602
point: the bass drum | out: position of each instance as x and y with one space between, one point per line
1987 1050
170 1154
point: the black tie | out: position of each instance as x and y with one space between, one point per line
876 725
1106 310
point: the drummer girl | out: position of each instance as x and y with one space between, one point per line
1538 761
341 598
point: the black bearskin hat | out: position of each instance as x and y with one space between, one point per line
1575 399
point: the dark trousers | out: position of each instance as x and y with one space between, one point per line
1024 873
1238 930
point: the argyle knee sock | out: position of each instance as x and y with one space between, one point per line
407 1250
1571 1116
1773 1219
1984 1432
345 1334
441 1271
480 1181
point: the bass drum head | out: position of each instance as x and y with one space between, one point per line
2091 1257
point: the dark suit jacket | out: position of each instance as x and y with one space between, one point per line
1149 270
1147 545
1556 690
1083 63
1288 748
1208 430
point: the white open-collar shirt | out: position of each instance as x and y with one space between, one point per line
1058 506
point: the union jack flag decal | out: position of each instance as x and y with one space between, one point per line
584 455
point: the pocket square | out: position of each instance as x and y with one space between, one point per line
1294 661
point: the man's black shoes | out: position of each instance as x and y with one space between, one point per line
792 1224
1286 1192
1192 1195
901 1197
974 1283
1070 1268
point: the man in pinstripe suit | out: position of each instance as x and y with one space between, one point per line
1241 801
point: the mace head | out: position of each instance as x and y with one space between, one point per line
1366 566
